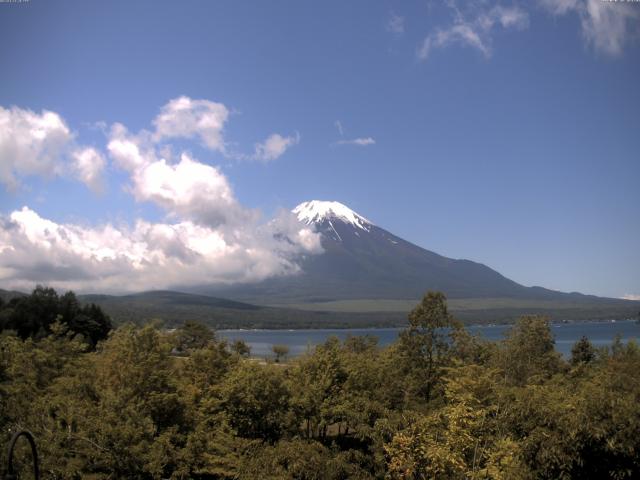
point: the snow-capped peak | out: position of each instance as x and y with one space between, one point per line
316 211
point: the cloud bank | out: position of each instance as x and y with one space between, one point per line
207 236
148 255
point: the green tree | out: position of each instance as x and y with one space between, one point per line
528 353
459 440
193 335
256 400
317 383
424 345
241 348
280 351
582 352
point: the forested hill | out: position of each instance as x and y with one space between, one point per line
174 308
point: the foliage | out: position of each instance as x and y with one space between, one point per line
582 352
32 316
424 345
192 335
439 403
280 351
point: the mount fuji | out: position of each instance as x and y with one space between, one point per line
362 261
365 277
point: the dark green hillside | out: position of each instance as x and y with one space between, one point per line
6 295
174 308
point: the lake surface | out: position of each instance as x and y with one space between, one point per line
301 341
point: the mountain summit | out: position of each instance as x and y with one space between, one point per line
362 260
318 211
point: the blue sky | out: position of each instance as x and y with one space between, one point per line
503 132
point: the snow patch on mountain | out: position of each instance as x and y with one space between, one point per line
317 211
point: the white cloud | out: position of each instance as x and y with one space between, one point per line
207 237
31 144
338 125
560 7
474 29
110 259
606 26
630 296
395 24
361 141
184 117
187 189
130 152
273 147
88 165
42 144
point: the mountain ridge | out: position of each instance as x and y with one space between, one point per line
364 261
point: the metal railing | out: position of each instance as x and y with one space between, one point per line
10 474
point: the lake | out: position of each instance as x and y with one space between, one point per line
301 341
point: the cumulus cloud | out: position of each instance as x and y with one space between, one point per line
360 141
88 165
206 237
606 26
184 117
474 28
187 189
630 296
395 24
161 255
42 144
273 147
30 144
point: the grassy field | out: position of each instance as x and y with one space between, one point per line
456 304
485 310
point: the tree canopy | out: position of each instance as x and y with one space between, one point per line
437 404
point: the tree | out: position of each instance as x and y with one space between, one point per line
90 322
193 335
459 440
241 348
317 384
256 400
529 351
424 344
32 316
582 352
280 351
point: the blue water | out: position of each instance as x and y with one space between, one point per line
301 341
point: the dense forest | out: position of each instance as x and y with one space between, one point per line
142 402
